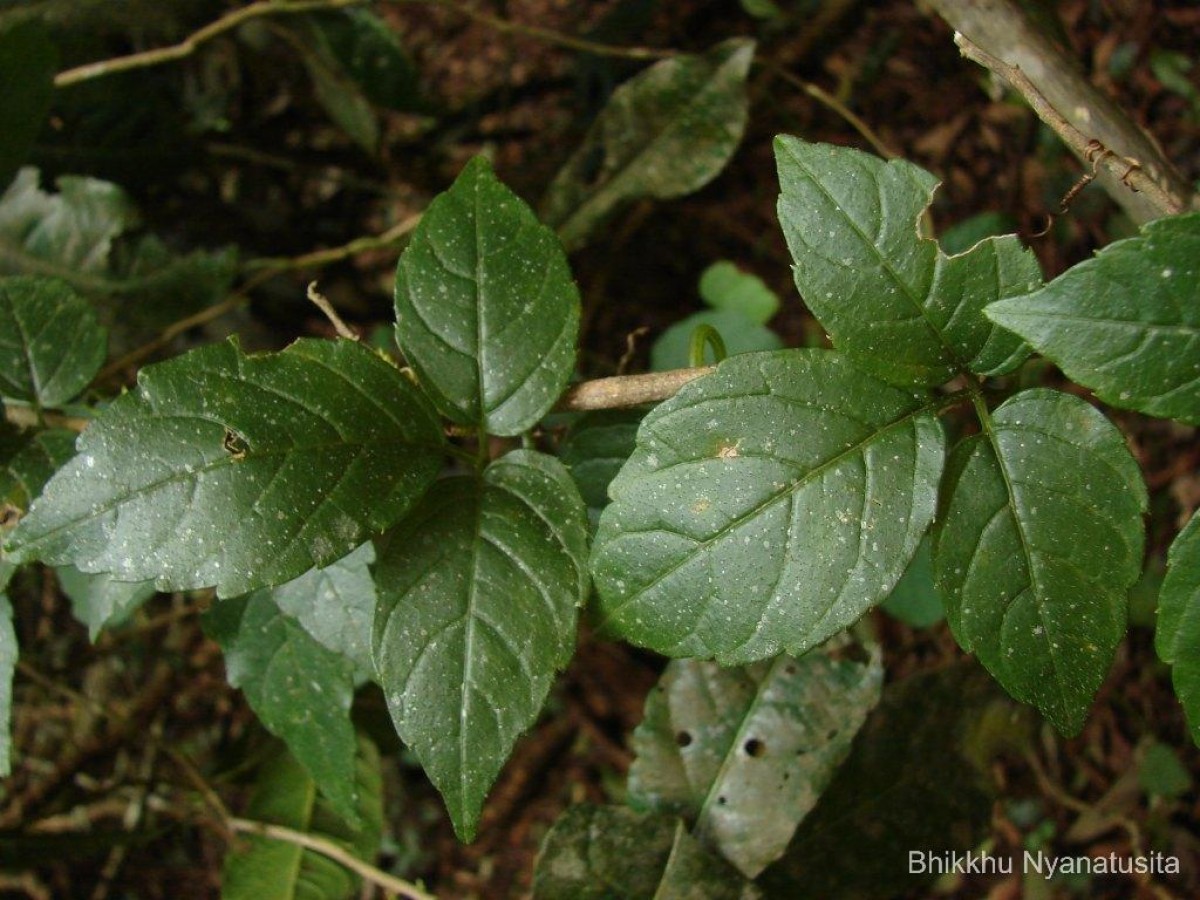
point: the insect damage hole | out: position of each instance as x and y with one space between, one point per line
234 444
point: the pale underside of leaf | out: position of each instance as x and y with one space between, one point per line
1125 323
767 507
478 593
601 852
745 753
486 309
239 471
664 133
299 690
1037 547
889 297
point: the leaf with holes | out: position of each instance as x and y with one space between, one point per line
486 311
601 852
478 590
744 753
237 471
666 132
1038 542
1177 637
51 345
264 868
767 506
1127 322
890 298
300 690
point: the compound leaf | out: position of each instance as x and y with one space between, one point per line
300 690
767 507
602 852
264 868
666 132
51 345
486 311
1125 323
28 58
237 471
1177 638
890 298
478 590
336 606
1037 546
744 753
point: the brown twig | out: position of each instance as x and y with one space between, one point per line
1128 172
322 303
623 391
188 45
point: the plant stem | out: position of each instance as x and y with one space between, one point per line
626 390
554 37
188 45
1000 36
333 851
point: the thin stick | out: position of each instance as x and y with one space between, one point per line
333 851
627 390
323 304
554 37
188 45
317 258
831 102
1128 171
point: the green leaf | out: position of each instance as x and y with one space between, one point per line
371 54
915 600
1177 638
8 664
1036 547
666 132
335 88
478 590
608 852
300 690
486 311
28 59
336 606
284 794
99 601
35 460
1161 774
905 311
237 471
767 507
917 778
73 229
724 286
51 345
1125 323
741 335
594 449
744 753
